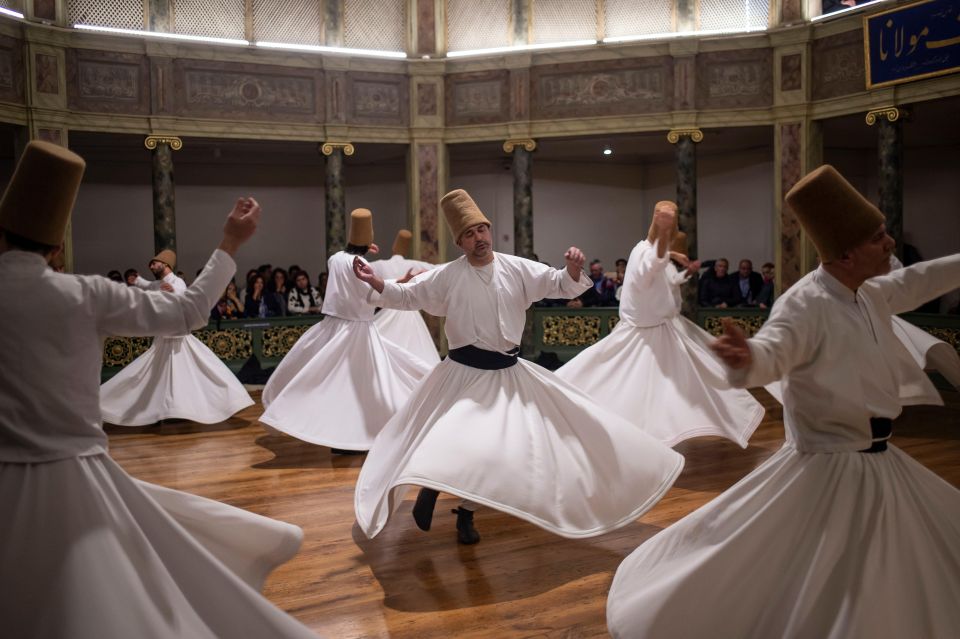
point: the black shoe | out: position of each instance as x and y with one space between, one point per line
343 451
423 509
466 533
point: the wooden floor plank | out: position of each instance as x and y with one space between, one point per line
520 581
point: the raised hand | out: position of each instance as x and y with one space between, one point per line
575 259
410 274
166 288
241 224
680 259
365 273
732 346
693 267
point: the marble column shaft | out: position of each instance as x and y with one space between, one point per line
160 15
335 215
687 204
522 202
890 146
164 203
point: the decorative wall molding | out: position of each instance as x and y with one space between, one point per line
838 65
478 97
734 79
108 82
377 99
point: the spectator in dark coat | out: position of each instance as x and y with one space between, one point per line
748 282
717 288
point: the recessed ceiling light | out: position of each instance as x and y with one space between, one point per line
607 150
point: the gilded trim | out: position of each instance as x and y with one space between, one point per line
675 134
327 147
891 113
527 143
152 141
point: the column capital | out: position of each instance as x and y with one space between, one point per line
327 147
675 134
891 113
527 143
152 141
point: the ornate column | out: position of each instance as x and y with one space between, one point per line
686 153
522 11
164 201
335 211
427 180
522 195
332 22
890 146
798 149
686 15
160 15
423 36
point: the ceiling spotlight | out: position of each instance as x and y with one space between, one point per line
607 150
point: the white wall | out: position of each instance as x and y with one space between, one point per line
605 209
113 223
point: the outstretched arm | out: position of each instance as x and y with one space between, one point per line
365 273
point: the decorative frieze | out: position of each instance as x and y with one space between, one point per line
838 67
378 98
735 79
609 87
480 97
108 82
791 76
47 73
217 89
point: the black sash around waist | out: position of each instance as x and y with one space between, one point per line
880 430
483 359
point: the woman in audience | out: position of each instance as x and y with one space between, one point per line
277 292
255 305
303 298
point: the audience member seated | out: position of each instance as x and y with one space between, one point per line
717 288
602 293
765 296
621 266
749 284
322 284
277 292
831 6
255 303
232 298
303 298
115 276
130 276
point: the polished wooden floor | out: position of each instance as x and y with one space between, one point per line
520 581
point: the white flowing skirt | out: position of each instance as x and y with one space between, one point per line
341 386
177 378
666 380
833 545
407 330
518 440
89 552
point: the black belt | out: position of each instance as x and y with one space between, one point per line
483 359
880 430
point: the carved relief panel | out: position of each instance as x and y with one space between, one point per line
108 82
838 67
11 70
478 97
249 91
608 87
378 98
735 79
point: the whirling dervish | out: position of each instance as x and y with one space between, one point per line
656 367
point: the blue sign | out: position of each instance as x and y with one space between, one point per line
917 41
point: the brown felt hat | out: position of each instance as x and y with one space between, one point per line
679 244
361 227
461 212
401 245
166 256
835 215
652 233
39 199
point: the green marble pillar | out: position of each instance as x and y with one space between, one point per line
891 177
164 202
335 211
522 202
686 154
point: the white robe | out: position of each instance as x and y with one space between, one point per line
341 382
821 540
518 439
405 328
178 377
656 367
87 551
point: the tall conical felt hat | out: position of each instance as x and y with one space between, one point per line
652 233
679 244
166 256
461 212
38 202
835 215
401 245
361 227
